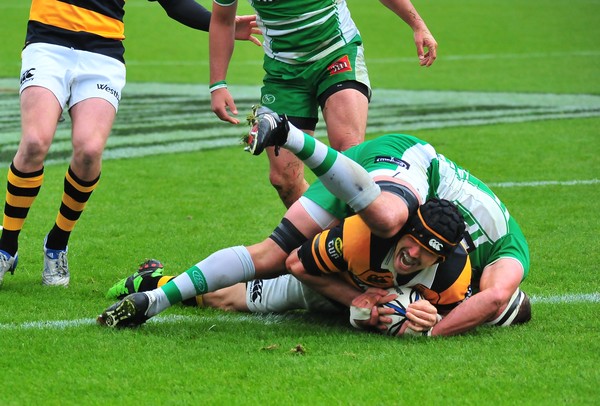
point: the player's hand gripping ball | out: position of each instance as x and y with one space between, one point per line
399 304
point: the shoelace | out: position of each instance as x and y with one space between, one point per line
61 264
5 262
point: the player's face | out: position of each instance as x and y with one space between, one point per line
410 257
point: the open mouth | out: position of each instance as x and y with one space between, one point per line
407 260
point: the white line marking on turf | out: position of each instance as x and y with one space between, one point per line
546 183
64 324
568 298
256 318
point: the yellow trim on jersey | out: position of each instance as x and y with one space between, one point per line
357 239
329 266
455 293
73 18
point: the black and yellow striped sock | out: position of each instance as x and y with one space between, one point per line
75 196
21 190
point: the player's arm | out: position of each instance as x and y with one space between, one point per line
330 286
449 288
335 288
221 43
498 284
388 212
194 15
320 261
422 36
187 12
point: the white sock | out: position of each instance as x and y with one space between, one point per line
221 269
343 177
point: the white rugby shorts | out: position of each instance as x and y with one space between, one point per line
72 75
285 293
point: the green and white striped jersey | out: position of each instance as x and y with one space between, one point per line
301 31
493 233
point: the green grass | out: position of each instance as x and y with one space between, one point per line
180 208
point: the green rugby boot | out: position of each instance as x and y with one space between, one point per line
151 268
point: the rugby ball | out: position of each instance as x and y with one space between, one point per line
399 304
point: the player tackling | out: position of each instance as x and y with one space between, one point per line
384 181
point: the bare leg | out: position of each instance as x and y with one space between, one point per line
345 114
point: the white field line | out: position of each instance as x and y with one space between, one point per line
263 319
544 183
64 324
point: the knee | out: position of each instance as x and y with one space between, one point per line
88 154
289 188
285 178
344 143
34 147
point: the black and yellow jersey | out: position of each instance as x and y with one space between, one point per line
88 25
365 260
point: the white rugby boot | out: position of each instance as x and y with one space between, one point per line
8 263
56 267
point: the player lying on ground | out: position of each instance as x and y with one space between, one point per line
359 258
384 181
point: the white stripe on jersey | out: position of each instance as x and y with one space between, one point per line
335 12
481 209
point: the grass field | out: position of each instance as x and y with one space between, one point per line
514 97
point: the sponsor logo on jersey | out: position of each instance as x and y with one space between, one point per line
392 160
108 89
339 66
436 245
256 290
338 245
268 99
378 278
334 248
27 75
